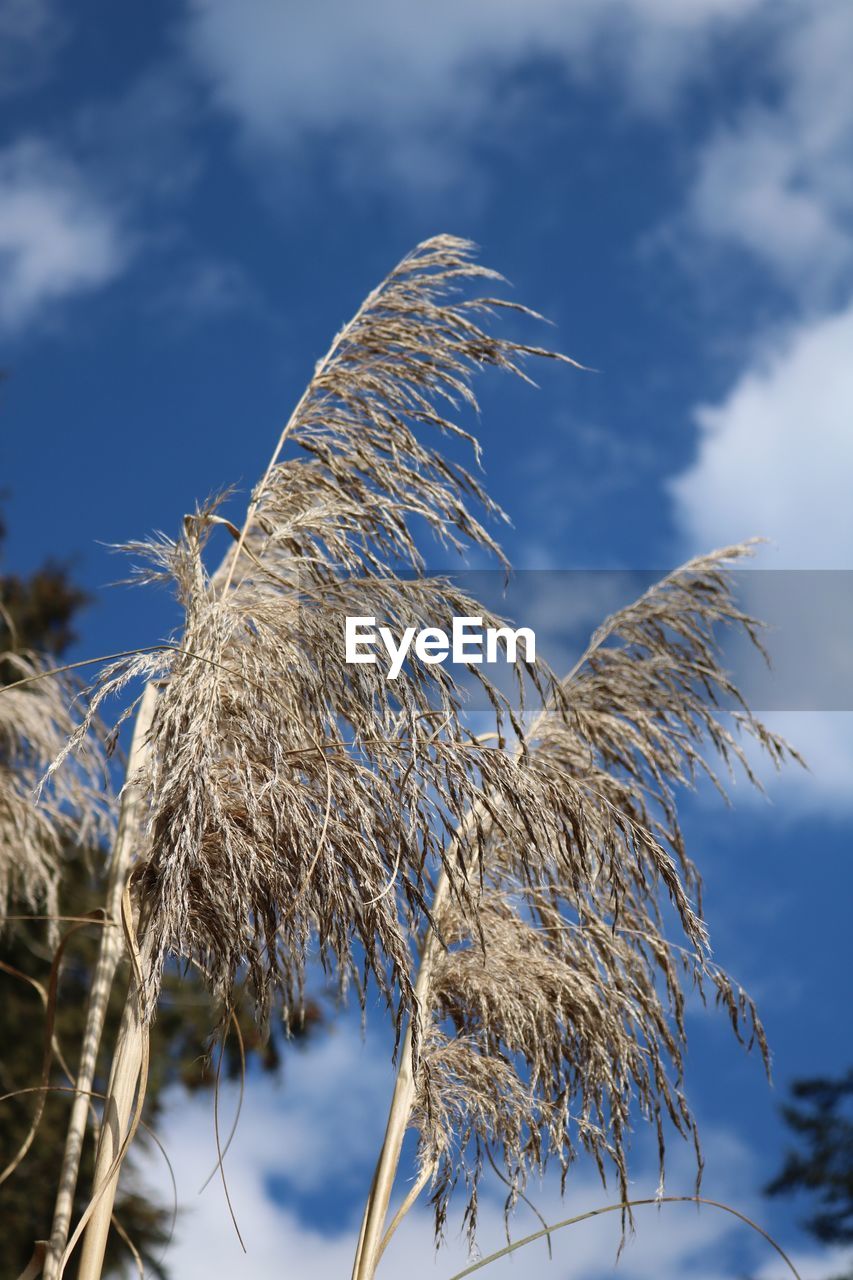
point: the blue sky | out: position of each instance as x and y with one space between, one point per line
194 196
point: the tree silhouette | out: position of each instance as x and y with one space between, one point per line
820 1116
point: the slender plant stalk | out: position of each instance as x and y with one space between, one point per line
621 1205
402 1100
121 1091
373 1239
411 1197
33 1269
111 949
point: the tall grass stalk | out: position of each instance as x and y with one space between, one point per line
369 1247
109 954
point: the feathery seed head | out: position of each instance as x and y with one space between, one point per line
39 814
292 798
563 1009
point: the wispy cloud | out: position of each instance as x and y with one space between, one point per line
425 84
825 741
775 181
79 206
207 289
574 471
31 33
58 237
141 140
775 454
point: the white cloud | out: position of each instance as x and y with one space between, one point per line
314 1136
825 741
423 80
777 181
824 1264
319 1134
750 191
57 238
775 456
